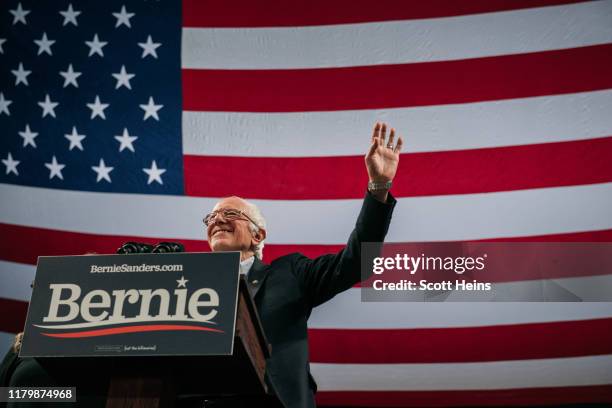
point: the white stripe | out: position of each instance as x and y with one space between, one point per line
436 218
347 311
15 280
439 39
560 372
433 128
6 341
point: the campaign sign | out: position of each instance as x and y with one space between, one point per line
133 305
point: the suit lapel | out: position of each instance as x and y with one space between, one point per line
257 275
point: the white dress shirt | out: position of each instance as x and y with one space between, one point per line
245 266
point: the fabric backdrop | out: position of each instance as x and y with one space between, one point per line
127 120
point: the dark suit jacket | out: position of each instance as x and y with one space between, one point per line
287 290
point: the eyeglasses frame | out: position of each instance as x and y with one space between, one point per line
216 212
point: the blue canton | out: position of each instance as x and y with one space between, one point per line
90 95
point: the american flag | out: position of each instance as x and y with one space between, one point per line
128 120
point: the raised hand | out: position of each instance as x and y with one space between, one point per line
382 159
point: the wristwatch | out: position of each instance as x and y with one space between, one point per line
374 187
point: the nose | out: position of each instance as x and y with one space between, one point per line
215 220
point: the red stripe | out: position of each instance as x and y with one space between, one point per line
461 344
278 13
424 174
129 329
511 397
25 244
403 85
12 315
388 346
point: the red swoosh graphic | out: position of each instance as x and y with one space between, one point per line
130 329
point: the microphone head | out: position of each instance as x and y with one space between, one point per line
134 248
166 247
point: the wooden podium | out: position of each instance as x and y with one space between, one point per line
240 377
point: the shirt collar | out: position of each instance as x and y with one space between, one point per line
246 265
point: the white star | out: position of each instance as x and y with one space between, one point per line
2 41
154 173
4 104
48 106
182 282
55 168
126 140
123 78
44 44
95 46
97 108
149 47
11 165
28 136
102 171
70 77
19 14
123 17
75 139
70 15
21 75
151 109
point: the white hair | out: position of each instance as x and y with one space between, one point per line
260 223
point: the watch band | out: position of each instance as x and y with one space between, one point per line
374 186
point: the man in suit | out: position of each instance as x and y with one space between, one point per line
287 290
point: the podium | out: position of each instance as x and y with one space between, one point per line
239 376
227 365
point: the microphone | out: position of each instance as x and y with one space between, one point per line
166 247
134 248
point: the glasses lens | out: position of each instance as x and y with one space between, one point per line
231 214
228 214
209 217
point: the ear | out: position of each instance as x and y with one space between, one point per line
258 236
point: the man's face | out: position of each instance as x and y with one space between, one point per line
230 235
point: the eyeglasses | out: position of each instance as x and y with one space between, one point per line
228 214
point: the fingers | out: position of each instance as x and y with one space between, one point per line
383 133
400 143
379 135
373 148
391 137
376 132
